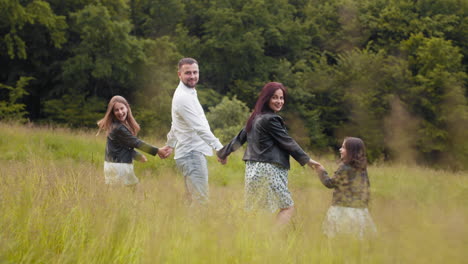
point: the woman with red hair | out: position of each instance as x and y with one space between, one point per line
267 155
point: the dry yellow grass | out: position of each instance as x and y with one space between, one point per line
56 209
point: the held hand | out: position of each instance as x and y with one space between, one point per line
222 161
169 151
319 168
314 164
164 152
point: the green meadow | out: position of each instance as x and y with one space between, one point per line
55 208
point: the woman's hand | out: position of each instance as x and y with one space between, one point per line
319 168
222 161
315 165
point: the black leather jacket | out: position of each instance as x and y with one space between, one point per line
268 142
121 143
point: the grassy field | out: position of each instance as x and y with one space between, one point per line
55 208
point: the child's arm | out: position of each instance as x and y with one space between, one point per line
147 148
323 176
139 156
322 173
126 138
330 182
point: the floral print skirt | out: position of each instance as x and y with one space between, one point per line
266 187
342 220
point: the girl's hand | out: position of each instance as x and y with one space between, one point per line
319 168
143 158
314 164
164 152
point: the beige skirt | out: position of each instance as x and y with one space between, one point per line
349 221
119 173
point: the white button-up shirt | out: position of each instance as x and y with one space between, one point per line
190 129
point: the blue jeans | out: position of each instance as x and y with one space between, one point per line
195 170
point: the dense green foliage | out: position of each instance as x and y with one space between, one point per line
228 118
393 72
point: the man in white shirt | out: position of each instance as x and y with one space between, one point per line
190 133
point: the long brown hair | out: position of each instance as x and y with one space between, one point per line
263 99
355 153
109 118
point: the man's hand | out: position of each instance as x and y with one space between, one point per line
164 152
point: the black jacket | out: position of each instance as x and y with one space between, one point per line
121 143
268 141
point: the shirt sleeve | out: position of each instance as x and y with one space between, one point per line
199 124
235 143
171 138
277 130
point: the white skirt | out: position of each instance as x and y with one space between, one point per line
119 173
349 221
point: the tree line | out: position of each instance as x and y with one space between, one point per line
393 72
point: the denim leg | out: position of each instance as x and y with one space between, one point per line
195 170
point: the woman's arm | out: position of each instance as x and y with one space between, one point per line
277 130
235 143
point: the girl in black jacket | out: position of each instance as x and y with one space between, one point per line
121 129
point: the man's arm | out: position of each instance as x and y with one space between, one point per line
171 138
171 142
199 124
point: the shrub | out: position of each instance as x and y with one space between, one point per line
227 118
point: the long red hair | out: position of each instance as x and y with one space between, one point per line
261 106
109 118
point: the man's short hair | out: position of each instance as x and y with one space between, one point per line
189 61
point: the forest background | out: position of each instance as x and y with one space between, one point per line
391 72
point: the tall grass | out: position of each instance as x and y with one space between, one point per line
55 208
